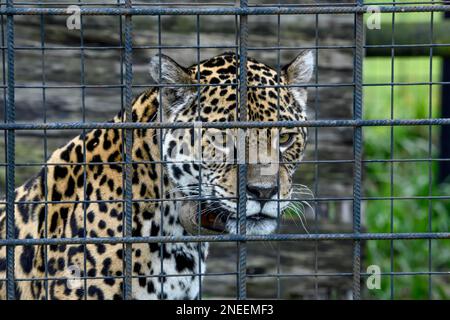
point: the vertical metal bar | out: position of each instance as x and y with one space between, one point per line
44 106
316 156
278 173
4 52
236 52
83 111
357 149
161 184
391 167
242 246
199 245
10 155
128 150
236 42
430 163
122 110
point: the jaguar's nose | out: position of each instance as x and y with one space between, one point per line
262 193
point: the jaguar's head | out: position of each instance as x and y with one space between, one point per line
204 162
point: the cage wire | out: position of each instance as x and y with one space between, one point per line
125 12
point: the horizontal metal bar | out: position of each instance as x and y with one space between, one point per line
345 4
181 199
222 11
398 84
302 162
230 46
198 85
216 4
250 275
184 47
416 3
231 238
347 274
404 160
150 276
152 85
310 199
118 4
135 47
224 125
409 45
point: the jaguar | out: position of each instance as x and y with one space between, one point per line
184 181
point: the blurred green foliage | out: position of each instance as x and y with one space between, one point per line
409 178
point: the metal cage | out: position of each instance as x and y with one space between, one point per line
125 12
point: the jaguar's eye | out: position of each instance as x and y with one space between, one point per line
286 139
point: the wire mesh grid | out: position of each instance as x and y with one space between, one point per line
126 14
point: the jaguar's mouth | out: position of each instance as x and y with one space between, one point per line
217 218
214 219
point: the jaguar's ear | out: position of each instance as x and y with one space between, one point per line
299 71
177 90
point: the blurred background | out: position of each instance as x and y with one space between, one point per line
76 75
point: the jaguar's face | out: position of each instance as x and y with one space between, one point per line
204 163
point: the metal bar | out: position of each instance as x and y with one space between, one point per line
303 162
232 238
225 4
430 150
265 275
321 199
83 110
128 220
45 168
225 11
122 113
278 69
10 158
316 154
357 149
225 125
143 47
368 46
161 152
242 141
308 85
4 47
200 189
391 167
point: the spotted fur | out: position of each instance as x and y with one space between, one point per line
85 200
